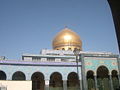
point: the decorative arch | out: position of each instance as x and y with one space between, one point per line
38 81
90 74
18 76
101 66
94 73
72 75
37 74
2 75
112 70
56 81
102 69
73 81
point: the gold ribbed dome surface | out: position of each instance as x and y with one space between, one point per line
67 40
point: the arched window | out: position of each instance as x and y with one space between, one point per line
18 76
90 80
103 78
38 82
73 83
2 75
56 82
115 79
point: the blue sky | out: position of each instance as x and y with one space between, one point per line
27 26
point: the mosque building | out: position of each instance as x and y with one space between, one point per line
65 67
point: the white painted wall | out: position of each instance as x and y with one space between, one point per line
16 85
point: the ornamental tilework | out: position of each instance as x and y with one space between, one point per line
93 64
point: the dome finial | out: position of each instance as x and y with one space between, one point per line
66 26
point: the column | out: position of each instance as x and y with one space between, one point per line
96 85
85 84
111 84
80 79
28 76
46 84
83 74
64 84
81 84
9 75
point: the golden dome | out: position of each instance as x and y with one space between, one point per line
67 40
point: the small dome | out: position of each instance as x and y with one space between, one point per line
67 40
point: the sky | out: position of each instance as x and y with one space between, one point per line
27 26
